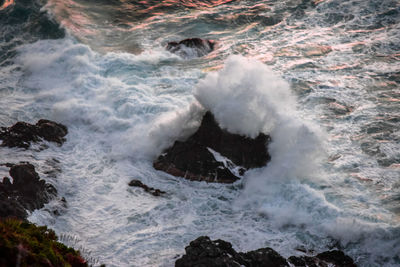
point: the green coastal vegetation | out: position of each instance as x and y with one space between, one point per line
25 244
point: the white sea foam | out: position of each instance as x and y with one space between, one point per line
246 97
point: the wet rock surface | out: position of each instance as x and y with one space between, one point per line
204 252
26 192
327 258
22 134
192 47
151 190
193 160
219 253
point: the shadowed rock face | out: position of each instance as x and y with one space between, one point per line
27 192
219 253
192 47
241 150
193 160
22 134
327 258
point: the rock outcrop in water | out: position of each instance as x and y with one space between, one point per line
22 134
26 192
192 47
23 243
219 253
211 154
327 258
151 190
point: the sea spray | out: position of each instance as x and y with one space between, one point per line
115 96
247 97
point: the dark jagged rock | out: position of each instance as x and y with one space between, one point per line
22 134
198 47
204 252
193 160
243 151
334 258
219 253
26 192
263 257
151 190
337 258
51 131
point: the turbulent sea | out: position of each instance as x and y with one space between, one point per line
321 77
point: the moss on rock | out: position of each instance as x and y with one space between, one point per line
25 244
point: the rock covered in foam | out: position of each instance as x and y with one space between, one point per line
22 134
194 159
219 253
26 192
192 47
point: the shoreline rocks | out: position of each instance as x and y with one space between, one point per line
213 154
23 243
219 253
191 47
26 192
21 134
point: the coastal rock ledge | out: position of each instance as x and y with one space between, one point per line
219 253
213 154
26 192
21 134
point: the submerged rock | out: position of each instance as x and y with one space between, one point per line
22 134
151 190
219 253
26 192
211 154
192 47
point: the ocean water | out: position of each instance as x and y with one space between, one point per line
321 77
